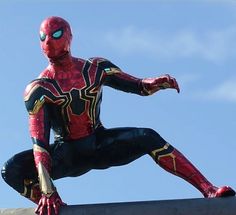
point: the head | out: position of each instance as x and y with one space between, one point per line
55 37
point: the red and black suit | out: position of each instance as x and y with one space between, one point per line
66 99
69 104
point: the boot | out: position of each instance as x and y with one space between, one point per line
31 191
176 163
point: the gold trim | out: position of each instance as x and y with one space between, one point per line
29 90
26 182
32 195
149 92
154 152
165 85
173 158
37 105
29 187
45 182
158 157
112 70
38 148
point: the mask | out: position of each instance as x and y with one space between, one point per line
55 37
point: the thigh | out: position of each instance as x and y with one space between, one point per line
119 146
72 158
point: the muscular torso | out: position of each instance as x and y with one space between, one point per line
67 98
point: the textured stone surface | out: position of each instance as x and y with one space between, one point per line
219 206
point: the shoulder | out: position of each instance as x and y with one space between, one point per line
32 87
106 65
40 82
36 85
100 61
97 59
36 93
33 95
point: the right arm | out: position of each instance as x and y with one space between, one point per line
39 126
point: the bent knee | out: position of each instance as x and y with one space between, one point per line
3 172
10 170
150 134
12 174
153 140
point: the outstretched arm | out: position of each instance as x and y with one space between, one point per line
39 125
120 80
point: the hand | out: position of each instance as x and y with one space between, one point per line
151 85
48 204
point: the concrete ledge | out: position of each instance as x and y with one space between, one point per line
217 206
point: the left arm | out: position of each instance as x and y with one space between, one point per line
120 80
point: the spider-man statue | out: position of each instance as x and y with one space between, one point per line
66 98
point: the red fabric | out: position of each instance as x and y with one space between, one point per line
81 124
55 48
151 85
44 158
37 126
49 205
176 163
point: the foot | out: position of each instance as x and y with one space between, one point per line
214 192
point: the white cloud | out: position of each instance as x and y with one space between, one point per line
215 46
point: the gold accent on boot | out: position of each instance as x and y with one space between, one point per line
31 190
157 157
154 152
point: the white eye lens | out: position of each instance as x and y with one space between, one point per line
42 36
57 34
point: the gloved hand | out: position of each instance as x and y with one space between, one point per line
152 85
48 204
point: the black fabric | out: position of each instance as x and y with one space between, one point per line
104 149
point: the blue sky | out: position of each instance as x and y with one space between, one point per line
192 40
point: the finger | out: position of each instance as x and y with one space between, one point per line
176 86
42 210
49 209
168 78
56 208
38 207
43 207
37 210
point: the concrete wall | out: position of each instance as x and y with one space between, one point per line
218 206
